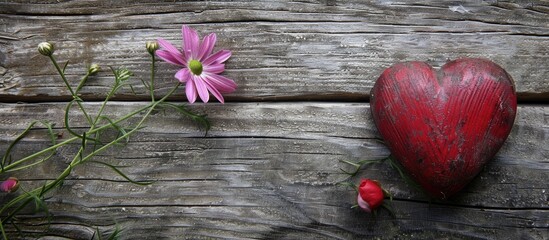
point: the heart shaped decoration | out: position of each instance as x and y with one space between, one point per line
444 126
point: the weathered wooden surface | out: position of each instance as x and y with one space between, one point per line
281 50
269 170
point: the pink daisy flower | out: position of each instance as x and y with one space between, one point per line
201 68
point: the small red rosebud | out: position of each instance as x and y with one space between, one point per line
370 195
10 185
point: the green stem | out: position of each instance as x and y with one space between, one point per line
62 74
101 109
2 229
82 82
78 160
152 79
351 163
14 164
137 127
8 151
74 96
67 127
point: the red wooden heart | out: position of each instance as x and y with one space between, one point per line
444 126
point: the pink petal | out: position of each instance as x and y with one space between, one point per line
166 45
190 42
363 204
170 49
214 91
168 57
218 57
223 84
201 88
5 186
207 45
9 185
214 68
190 90
183 75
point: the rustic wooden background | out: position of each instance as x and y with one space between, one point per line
269 167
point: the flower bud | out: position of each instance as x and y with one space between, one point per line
123 74
94 68
45 48
10 185
152 46
370 195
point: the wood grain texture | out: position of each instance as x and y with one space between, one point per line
269 168
270 171
282 50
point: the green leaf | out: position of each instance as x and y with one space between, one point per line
387 194
121 131
51 133
81 83
3 232
82 147
403 175
115 235
349 185
201 119
7 154
65 67
17 228
121 75
115 168
358 165
25 199
389 208
133 91
39 204
69 105
33 164
146 84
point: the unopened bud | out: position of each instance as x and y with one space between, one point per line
152 46
94 68
123 74
370 195
10 185
45 48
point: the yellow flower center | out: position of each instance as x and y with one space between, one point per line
196 67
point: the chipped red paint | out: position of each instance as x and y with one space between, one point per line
444 126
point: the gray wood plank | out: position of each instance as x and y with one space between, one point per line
282 50
270 171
